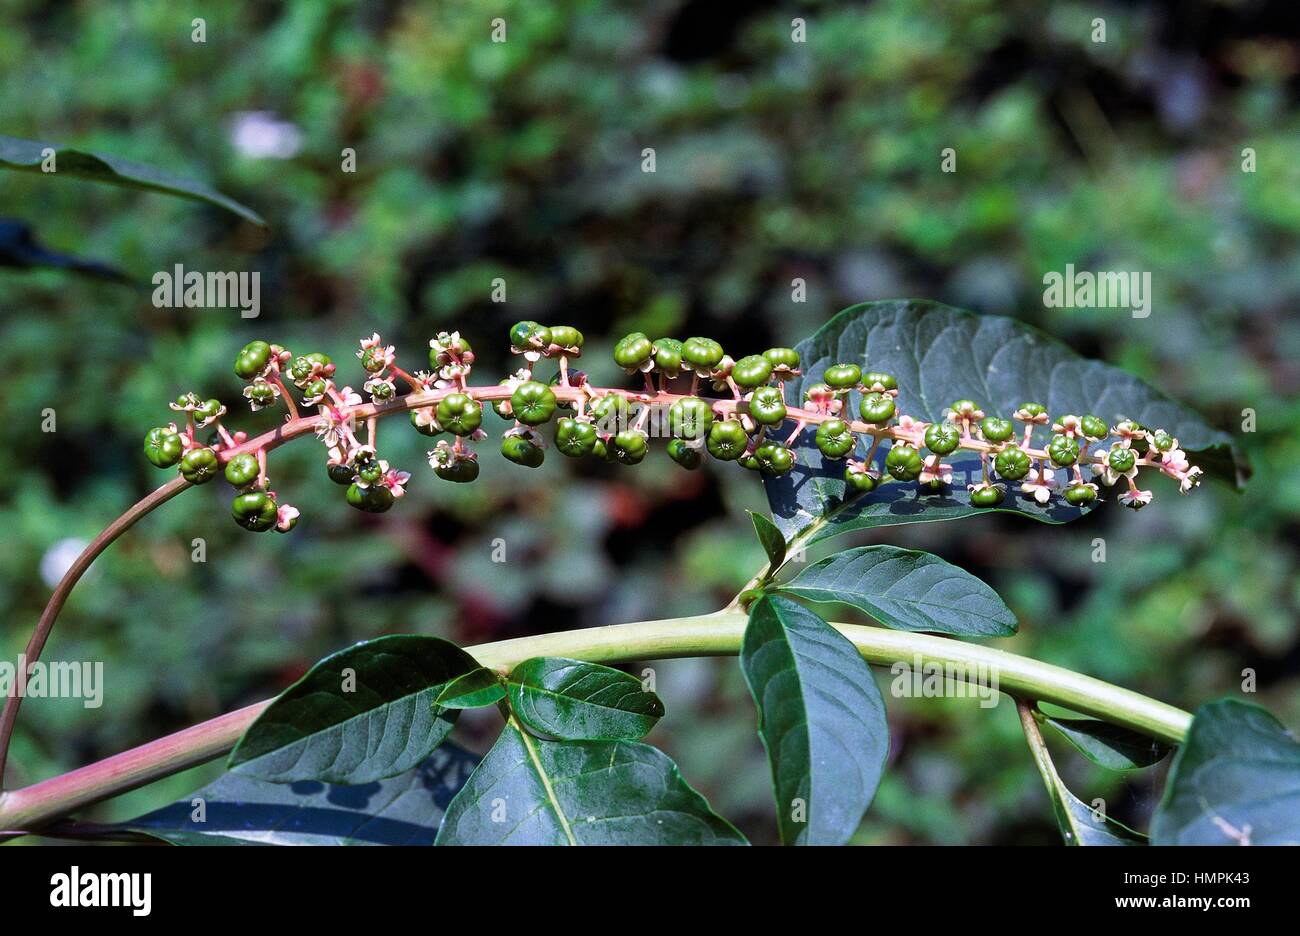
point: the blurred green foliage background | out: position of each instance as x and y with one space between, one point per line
776 160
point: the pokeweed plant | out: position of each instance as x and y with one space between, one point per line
893 412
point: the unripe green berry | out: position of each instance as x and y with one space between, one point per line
532 403
783 360
668 356
942 438
567 337
529 336
1012 463
252 359
255 510
766 406
629 447
690 418
200 466
633 351
460 414
574 439
242 470
876 408
1063 451
701 353
996 429
373 499
461 471
341 474
163 447
686 456
752 371
904 462
1094 427
774 458
860 481
987 496
879 379
1080 495
1121 459
1032 409
834 438
522 451
1162 441
727 440
207 411
842 376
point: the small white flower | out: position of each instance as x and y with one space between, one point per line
1135 498
1039 484
286 517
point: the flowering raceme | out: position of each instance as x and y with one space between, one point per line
744 423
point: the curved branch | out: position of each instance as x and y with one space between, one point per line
61 591
717 634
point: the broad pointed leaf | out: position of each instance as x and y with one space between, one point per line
576 700
71 162
477 688
938 355
771 539
533 792
239 810
1234 781
907 590
1079 823
359 715
821 719
1108 745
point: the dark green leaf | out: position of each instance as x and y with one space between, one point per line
821 719
1235 780
359 715
70 162
770 538
576 700
533 792
1108 745
1079 823
475 689
907 590
940 354
240 810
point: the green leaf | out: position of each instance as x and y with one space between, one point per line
576 700
30 155
1108 745
533 792
1079 823
1235 780
240 810
359 715
821 719
940 354
907 590
475 689
770 538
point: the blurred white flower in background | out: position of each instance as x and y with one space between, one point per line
59 558
262 135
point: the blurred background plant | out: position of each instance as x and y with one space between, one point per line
522 160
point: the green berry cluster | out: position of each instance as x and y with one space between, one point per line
743 423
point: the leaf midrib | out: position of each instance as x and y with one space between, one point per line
546 781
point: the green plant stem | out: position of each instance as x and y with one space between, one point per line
716 634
